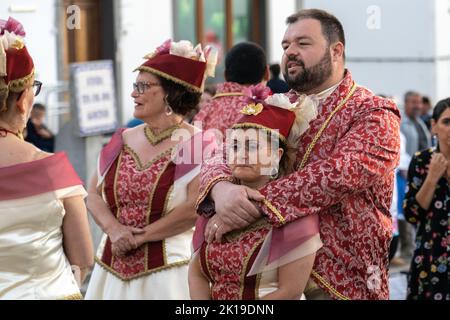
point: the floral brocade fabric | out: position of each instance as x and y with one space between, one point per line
227 263
136 194
348 182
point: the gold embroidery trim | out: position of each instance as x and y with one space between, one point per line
257 225
252 109
249 125
137 159
116 197
19 85
156 138
257 284
152 194
166 203
324 126
169 77
75 296
244 267
230 94
274 210
207 264
149 211
116 178
141 274
209 187
329 286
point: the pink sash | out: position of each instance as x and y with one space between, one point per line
37 177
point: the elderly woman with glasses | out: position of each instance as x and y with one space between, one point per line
144 194
45 243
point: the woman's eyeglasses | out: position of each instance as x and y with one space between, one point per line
141 86
37 85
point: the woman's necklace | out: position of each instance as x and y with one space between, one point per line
4 132
155 138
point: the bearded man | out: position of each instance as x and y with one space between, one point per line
345 169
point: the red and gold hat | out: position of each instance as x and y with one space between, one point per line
16 64
180 62
276 114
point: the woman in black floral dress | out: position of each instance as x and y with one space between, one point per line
427 205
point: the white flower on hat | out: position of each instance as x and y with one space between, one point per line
305 110
280 100
185 49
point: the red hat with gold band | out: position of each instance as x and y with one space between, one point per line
181 63
276 114
16 64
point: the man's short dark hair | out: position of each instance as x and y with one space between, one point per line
245 63
410 94
275 69
332 28
39 107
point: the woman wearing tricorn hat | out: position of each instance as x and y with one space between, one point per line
143 197
44 231
258 262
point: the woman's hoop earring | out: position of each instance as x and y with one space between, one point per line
274 173
169 110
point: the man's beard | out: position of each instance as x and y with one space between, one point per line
309 78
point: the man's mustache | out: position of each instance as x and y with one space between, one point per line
296 61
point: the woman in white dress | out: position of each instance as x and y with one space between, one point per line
143 196
44 231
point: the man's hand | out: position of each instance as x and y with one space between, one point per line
234 209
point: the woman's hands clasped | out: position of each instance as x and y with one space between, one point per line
123 238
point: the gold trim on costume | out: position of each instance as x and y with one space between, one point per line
18 85
207 265
257 225
116 178
203 195
147 219
275 211
257 284
164 213
75 296
245 265
137 159
154 138
152 194
324 126
169 77
249 125
141 274
116 197
252 109
328 286
230 94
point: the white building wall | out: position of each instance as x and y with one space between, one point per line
277 12
145 24
392 46
442 36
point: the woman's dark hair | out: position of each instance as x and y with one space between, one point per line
181 99
439 109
